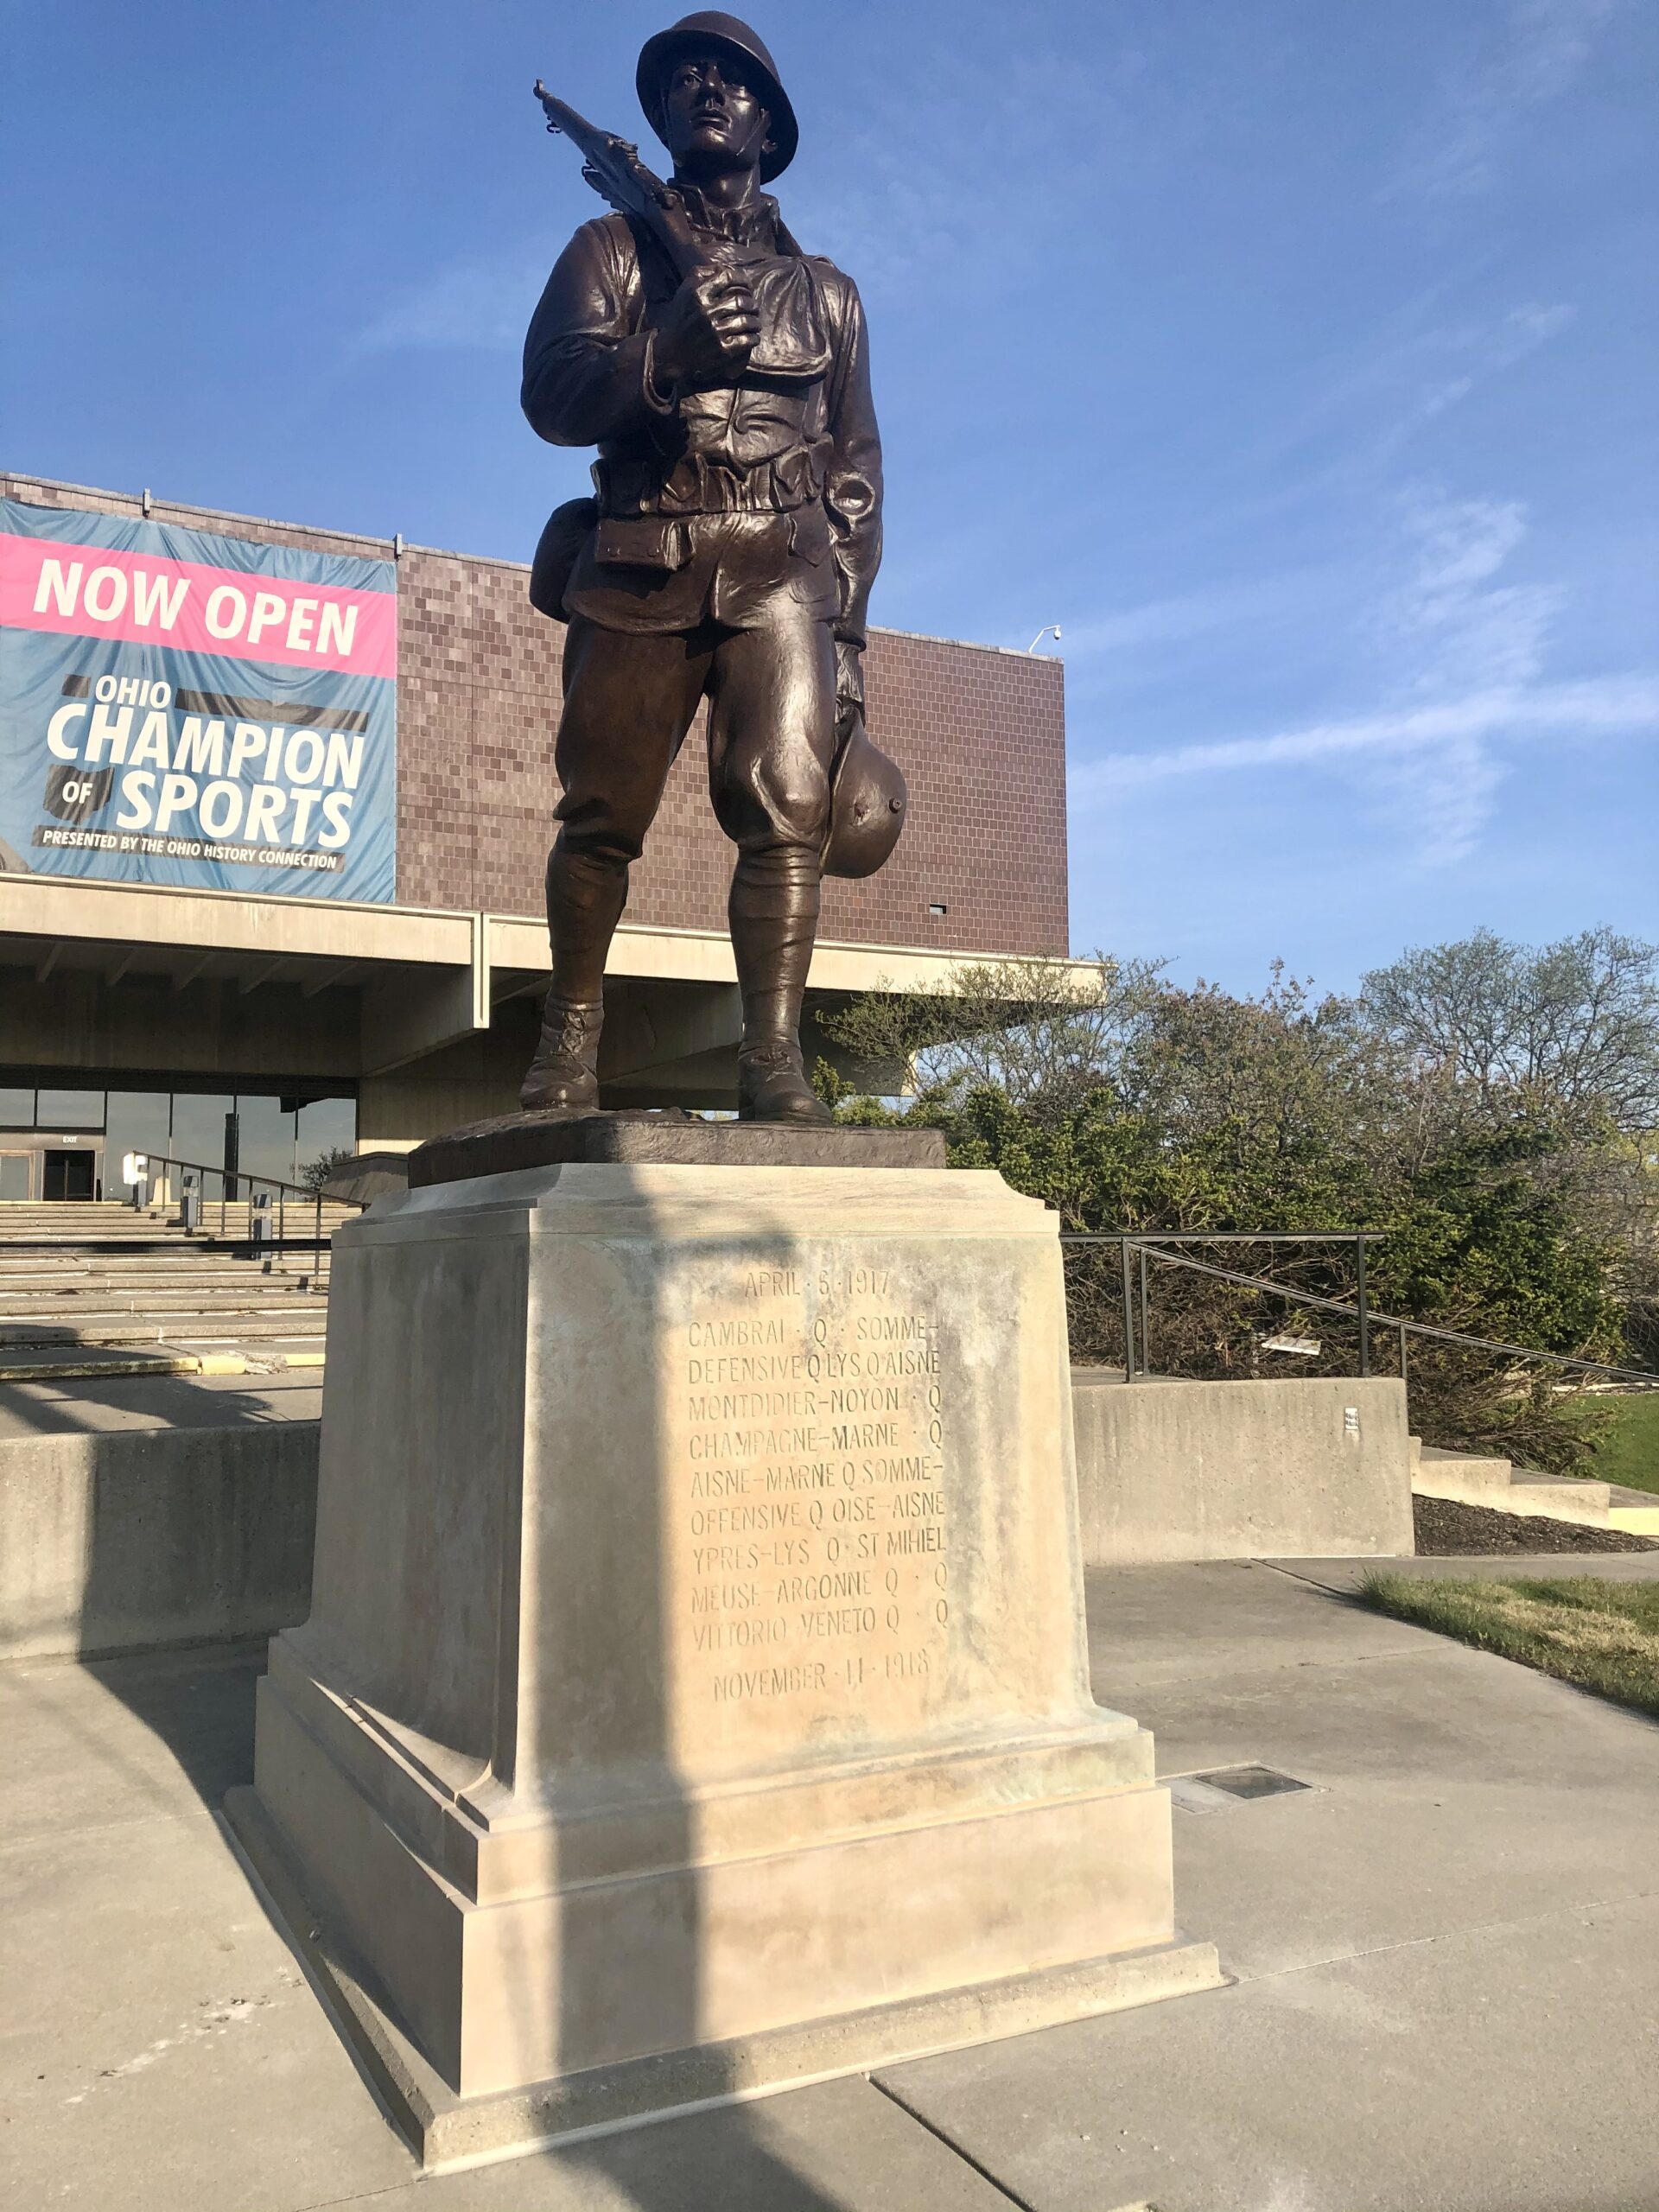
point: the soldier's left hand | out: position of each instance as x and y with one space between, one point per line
849 680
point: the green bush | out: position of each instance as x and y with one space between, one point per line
1513 1208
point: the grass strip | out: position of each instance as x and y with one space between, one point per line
1602 1635
1629 1453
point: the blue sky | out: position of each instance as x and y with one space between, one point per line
1297 358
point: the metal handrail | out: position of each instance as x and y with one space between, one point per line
1359 1310
170 1160
1405 1328
1147 1240
243 1175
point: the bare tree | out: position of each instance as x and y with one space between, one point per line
1044 1031
1576 1022
1263 1077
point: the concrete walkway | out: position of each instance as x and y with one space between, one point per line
1446 1947
80 1405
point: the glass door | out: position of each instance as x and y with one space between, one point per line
68 1175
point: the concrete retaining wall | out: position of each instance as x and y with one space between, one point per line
1317 1469
118 1539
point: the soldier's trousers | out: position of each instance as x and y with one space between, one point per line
629 700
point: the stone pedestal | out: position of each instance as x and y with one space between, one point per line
695 1696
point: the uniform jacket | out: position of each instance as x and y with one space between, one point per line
712 500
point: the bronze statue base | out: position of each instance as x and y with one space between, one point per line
665 1137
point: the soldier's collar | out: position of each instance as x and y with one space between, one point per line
756 224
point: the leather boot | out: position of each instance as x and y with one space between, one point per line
774 918
564 1073
771 1084
585 891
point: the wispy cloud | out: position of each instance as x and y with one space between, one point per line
483 303
1410 372
900 196
1460 656
1450 627
1601 707
1186 615
1484 350
1541 48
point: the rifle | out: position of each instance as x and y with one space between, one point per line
613 168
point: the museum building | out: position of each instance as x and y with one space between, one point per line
252 1029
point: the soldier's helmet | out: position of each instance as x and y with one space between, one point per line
710 32
867 798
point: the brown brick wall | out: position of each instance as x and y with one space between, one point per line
980 734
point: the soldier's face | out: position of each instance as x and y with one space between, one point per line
713 119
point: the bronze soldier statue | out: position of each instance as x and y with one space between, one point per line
724 375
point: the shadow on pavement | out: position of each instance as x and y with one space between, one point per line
72 1407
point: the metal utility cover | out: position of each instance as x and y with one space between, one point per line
1250 1782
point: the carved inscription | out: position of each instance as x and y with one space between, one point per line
813 1512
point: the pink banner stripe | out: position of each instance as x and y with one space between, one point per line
141 599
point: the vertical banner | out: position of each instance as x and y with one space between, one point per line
182 708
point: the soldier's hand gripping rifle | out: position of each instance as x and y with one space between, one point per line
613 168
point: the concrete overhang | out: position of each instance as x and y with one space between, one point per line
81 922
519 959
147 919
423 978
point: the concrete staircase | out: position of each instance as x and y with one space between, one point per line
107 1224
1468 1479
98 1289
